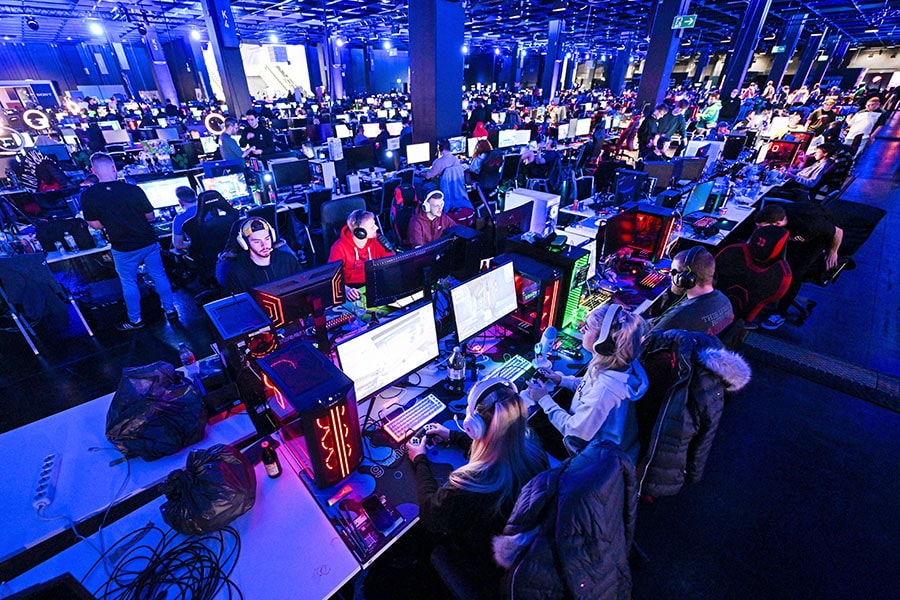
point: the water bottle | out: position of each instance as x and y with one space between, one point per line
187 359
335 186
456 370
71 245
59 248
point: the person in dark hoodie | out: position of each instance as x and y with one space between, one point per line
602 404
357 243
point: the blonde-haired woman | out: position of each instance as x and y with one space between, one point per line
475 503
603 400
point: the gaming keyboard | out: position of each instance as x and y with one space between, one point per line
593 300
704 222
410 420
652 279
517 369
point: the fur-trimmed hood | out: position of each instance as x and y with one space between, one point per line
707 350
728 365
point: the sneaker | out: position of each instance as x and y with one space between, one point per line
129 326
773 322
172 315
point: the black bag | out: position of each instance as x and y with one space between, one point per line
155 412
216 487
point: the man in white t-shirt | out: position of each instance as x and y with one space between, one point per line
864 122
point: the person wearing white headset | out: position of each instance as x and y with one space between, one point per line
603 400
359 241
259 262
478 498
429 222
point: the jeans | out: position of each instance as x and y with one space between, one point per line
127 264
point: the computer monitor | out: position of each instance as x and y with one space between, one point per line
109 125
394 128
161 192
162 122
780 153
209 144
168 133
514 221
710 149
804 137
377 358
663 172
387 104
233 187
116 136
498 118
470 146
522 137
391 278
562 131
645 228
58 151
381 114
734 145
217 168
483 300
418 153
342 131
628 186
302 295
457 144
691 168
696 202
290 172
506 138
582 127
360 157
371 130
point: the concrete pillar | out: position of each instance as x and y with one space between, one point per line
810 52
436 67
743 45
701 62
227 51
200 64
161 73
550 78
789 39
619 68
661 53
820 66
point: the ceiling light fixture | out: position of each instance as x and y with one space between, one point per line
872 30
95 27
273 38
32 23
142 29
195 35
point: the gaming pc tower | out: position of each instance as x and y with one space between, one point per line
537 292
546 207
645 228
324 398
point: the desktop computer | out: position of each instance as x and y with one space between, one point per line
545 211
644 228
324 398
537 296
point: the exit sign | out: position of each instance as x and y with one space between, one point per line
684 22
777 49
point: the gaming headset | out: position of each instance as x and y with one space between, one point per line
687 279
605 344
246 229
356 219
474 424
426 203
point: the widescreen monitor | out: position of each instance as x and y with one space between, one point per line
522 137
418 153
394 128
378 357
162 122
562 132
391 278
628 186
217 168
168 133
108 125
696 202
360 157
780 153
116 136
708 149
371 130
506 138
734 145
290 172
663 172
381 114
161 192
58 151
209 144
302 294
470 146
582 127
232 187
483 300
691 169
457 144
342 131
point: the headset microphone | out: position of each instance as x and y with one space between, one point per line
382 239
543 348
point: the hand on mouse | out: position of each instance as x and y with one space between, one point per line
414 447
352 293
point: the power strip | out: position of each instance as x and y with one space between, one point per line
46 482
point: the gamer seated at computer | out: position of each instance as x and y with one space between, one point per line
657 151
357 243
253 259
809 176
718 134
603 399
446 160
692 303
474 505
429 222
256 136
187 199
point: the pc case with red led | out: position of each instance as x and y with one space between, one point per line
537 293
323 397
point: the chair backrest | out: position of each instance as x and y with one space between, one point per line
453 185
387 196
490 175
510 170
750 285
209 234
406 176
334 217
212 204
584 187
314 201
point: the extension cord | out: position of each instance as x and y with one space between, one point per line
46 482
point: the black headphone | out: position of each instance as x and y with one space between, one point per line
687 279
605 344
476 425
443 144
356 219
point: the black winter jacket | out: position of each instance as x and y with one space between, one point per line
571 530
678 416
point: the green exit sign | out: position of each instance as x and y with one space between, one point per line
684 22
777 49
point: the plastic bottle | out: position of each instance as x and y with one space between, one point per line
187 359
60 248
456 370
71 245
335 186
270 460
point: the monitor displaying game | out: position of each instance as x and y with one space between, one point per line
483 300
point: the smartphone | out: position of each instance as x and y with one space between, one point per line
377 513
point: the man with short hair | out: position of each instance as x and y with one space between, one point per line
674 123
446 160
819 119
357 243
125 212
228 147
429 222
701 307
863 123
259 262
649 127
256 137
187 198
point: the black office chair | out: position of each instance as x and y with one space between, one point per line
209 231
490 176
334 217
406 176
510 172
55 203
388 189
584 187
314 201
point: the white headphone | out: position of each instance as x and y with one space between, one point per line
474 424
605 344
426 203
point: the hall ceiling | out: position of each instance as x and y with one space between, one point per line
593 27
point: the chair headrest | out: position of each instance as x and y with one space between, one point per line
767 243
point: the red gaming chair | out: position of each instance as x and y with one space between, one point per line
755 273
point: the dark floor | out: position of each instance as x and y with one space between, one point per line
800 493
